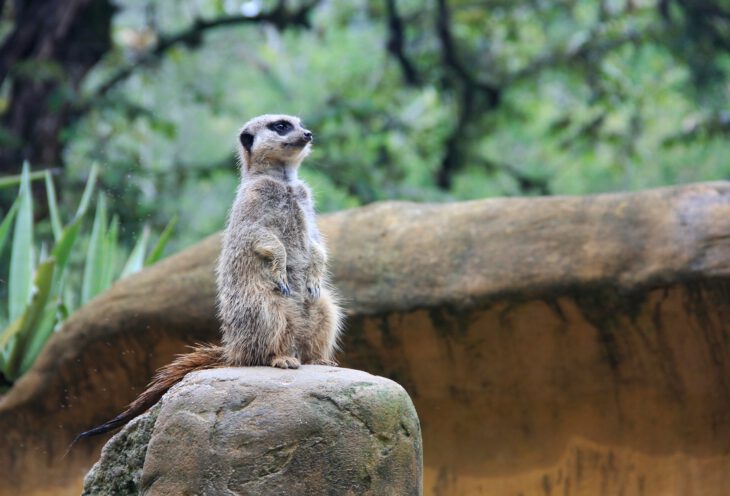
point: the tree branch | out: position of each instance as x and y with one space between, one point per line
453 157
279 17
451 59
471 89
396 44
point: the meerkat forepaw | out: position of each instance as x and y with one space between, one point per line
285 362
284 288
313 289
314 285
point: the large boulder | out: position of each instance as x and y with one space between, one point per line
554 345
260 430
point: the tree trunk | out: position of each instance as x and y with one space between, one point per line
52 47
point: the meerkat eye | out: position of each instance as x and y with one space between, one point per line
281 127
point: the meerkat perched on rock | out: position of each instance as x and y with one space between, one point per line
275 304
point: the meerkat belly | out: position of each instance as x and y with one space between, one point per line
297 262
292 228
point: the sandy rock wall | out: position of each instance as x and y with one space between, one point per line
563 345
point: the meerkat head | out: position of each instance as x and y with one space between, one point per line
273 143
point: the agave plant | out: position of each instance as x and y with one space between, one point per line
39 296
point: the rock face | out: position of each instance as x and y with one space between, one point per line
562 345
119 470
265 431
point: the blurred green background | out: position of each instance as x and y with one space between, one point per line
427 101
439 100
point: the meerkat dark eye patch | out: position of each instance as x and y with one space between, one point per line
282 128
246 140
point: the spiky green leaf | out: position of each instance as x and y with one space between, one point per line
110 253
62 249
30 319
135 262
38 336
7 181
156 253
20 281
93 280
9 332
88 191
56 224
6 223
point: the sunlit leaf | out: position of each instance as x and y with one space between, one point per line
38 336
65 244
61 252
88 191
156 253
135 262
43 253
9 332
6 223
93 280
20 281
110 253
30 319
53 207
7 181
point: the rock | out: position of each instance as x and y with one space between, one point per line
118 471
550 345
265 431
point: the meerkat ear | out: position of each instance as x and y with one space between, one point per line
246 140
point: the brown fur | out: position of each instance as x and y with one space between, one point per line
202 357
275 304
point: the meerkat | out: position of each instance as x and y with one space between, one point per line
275 304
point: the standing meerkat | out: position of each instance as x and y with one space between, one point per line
275 303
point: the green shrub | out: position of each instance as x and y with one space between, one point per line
42 290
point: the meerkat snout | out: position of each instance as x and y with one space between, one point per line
301 139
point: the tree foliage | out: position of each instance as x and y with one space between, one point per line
428 101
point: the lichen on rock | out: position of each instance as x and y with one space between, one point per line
118 471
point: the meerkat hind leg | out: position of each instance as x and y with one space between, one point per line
284 343
316 270
323 330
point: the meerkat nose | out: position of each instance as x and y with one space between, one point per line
307 136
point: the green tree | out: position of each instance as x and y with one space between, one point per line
434 101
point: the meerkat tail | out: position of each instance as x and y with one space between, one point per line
202 357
